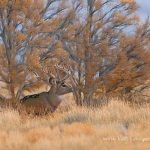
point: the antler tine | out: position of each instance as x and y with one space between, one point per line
66 77
61 68
73 77
38 77
65 70
50 74
34 72
57 73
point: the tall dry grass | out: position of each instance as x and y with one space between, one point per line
115 126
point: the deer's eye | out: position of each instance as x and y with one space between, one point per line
63 85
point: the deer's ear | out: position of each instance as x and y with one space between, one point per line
51 80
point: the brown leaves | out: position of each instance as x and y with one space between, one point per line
3 3
20 37
127 1
34 60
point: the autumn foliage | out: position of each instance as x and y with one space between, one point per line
103 43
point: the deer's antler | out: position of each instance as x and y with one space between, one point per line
58 67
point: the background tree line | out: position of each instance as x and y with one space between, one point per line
104 42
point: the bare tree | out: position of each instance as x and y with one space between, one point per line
28 27
95 43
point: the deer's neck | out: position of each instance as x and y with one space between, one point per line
53 98
65 92
52 90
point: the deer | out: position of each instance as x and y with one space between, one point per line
45 102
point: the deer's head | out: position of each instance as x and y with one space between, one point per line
59 84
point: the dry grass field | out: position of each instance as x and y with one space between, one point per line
116 126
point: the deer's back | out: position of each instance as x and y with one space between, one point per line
37 103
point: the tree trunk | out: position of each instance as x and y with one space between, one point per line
14 102
78 98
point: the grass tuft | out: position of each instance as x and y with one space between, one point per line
115 126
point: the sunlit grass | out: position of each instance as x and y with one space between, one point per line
115 126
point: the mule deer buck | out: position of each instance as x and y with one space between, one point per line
48 101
